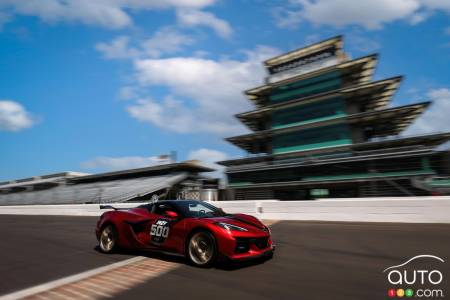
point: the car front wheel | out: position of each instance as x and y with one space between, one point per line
201 249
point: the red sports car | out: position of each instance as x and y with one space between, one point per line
197 230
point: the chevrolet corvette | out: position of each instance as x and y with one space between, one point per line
194 229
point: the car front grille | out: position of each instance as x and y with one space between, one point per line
243 244
261 243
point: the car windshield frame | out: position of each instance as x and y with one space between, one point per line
183 208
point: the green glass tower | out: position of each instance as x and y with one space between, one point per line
322 127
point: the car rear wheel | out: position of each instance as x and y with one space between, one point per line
201 249
108 239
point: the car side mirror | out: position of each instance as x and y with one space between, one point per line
171 214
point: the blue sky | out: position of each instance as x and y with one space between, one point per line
99 85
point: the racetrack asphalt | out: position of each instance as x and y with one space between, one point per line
313 260
38 249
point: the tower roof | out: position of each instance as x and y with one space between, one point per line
379 123
334 42
391 121
428 141
376 95
359 70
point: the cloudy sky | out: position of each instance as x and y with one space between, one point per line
110 84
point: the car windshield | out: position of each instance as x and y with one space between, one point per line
196 209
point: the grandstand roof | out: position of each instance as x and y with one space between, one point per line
36 180
191 166
77 177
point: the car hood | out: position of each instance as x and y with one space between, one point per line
242 220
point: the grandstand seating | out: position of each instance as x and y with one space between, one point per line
94 192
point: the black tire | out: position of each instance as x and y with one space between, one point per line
107 241
201 249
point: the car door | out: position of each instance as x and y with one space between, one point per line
143 218
166 233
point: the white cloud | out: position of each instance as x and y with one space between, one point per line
165 41
121 163
118 48
209 157
129 92
371 14
436 118
149 4
14 117
193 18
107 13
437 4
360 42
102 13
204 93
287 17
170 114
419 17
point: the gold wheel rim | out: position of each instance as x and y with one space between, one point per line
201 248
107 239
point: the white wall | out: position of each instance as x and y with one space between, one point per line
410 210
401 209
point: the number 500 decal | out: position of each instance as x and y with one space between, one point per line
160 229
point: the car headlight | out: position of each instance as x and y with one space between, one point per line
230 227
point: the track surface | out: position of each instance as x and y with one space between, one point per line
314 260
38 249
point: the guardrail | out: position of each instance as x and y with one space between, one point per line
395 209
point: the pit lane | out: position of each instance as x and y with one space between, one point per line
314 260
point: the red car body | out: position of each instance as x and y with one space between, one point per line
137 229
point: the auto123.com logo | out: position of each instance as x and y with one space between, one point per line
408 280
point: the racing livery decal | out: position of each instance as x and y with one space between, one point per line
160 231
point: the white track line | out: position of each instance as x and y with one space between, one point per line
66 280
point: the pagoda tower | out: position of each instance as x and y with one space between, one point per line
322 127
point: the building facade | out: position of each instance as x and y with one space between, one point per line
323 127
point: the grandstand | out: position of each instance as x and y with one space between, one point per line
174 181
